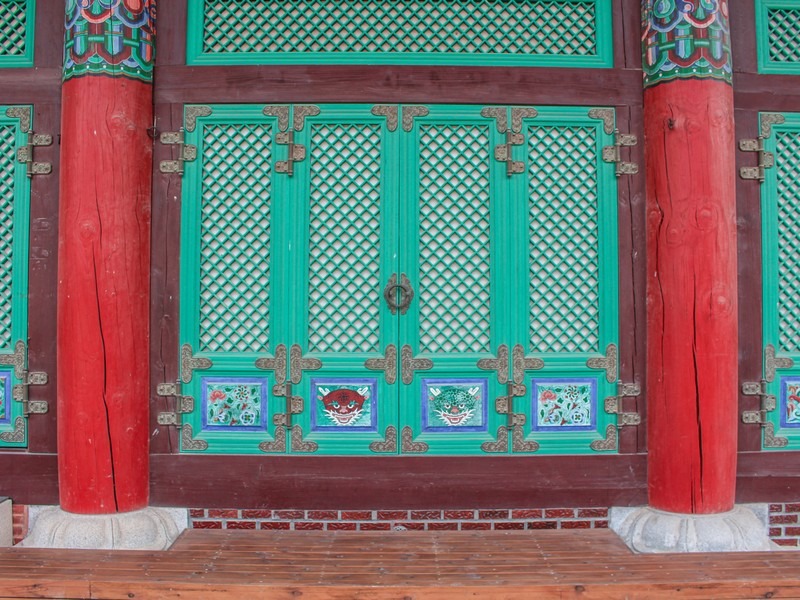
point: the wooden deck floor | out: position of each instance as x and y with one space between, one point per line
395 565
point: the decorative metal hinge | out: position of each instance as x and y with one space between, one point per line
16 435
387 364
409 364
608 443
768 403
504 405
19 359
296 153
189 443
186 152
294 405
191 363
772 362
613 404
504 153
25 154
412 112
613 154
499 364
20 393
277 364
408 445
520 364
608 363
389 442
390 112
184 404
766 160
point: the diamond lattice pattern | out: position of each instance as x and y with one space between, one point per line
455 260
554 27
563 239
13 17
235 242
344 249
7 167
784 35
787 155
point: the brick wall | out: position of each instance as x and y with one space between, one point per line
400 520
784 524
19 518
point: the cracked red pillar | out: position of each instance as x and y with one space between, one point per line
104 256
691 244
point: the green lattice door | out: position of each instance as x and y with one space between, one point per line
780 210
384 279
15 123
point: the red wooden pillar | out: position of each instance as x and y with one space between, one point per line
691 245
104 256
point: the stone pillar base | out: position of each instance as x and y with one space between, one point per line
6 523
647 530
148 529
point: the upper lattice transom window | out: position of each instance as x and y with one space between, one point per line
778 34
16 32
475 32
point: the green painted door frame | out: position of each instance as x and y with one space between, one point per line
398 279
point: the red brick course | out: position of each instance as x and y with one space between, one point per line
403 520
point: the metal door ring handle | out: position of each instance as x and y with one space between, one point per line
406 294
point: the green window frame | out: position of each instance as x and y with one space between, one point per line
542 33
17 21
15 122
778 36
267 319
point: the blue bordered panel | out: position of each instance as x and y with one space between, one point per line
234 403
5 397
790 402
344 404
563 404
454 405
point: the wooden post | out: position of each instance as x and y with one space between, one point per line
104 256
692 332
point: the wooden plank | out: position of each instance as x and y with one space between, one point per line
408 84
399 483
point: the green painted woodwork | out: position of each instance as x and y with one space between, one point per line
17 20
778 36
780 207
14 237
566 33
493 260
565 225
230 292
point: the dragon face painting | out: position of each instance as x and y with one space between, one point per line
454 406
343 406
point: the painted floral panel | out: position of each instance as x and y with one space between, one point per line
234 403
344 404
790 401
564 403
454 404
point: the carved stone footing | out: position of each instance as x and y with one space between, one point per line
647 530
6 523
147 529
